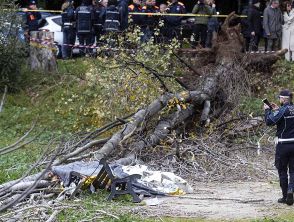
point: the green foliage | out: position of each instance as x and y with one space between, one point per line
281 79
12 49
82 96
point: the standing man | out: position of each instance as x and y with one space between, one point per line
212 25
272 23
149 21
32 17
84 18
68 28
136 7
255 24
99 18
200 30
173 23
283 118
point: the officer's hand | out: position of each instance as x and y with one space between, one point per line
265 107
24 9
275 106
253 33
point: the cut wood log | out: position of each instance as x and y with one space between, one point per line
42 56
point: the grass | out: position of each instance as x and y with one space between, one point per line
49 100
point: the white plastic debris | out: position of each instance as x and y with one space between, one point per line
165 182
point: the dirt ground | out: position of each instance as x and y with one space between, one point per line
222 201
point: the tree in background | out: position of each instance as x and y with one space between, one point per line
12 45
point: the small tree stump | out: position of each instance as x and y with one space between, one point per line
42 56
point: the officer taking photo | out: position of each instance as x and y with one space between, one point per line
283 118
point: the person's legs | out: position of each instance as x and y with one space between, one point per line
196 32
82 44
265 44
64 47
281 163
247 43
203 33
70 41
208 43
275 45
291 174
255 43
270 44
89 43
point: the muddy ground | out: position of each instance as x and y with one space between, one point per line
221 201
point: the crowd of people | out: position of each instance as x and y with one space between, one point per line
274 25
94 18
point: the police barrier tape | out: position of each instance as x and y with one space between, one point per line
143 13
47 44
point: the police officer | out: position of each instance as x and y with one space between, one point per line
99 18
68 28
173 23
136 7
124 14
116 19
84 18
283 118
150 21
32 17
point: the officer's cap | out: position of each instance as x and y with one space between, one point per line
33 2
285 94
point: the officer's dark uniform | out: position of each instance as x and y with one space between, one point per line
116 18
68 28
99 20
124 14
173 23
136 18
283 118
32 19
149 22
84 18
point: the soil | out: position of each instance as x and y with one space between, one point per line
221 201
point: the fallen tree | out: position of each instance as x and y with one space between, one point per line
212 89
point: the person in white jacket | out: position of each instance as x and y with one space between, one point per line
288 32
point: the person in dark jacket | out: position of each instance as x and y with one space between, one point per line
150 21
212 25
33 18
272 24
200 28
283 118
124 14
136 7
255 24
173 23
245 27
68 28
85 33
99 18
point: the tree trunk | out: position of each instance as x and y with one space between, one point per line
42 56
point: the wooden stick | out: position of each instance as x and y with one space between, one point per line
3 98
